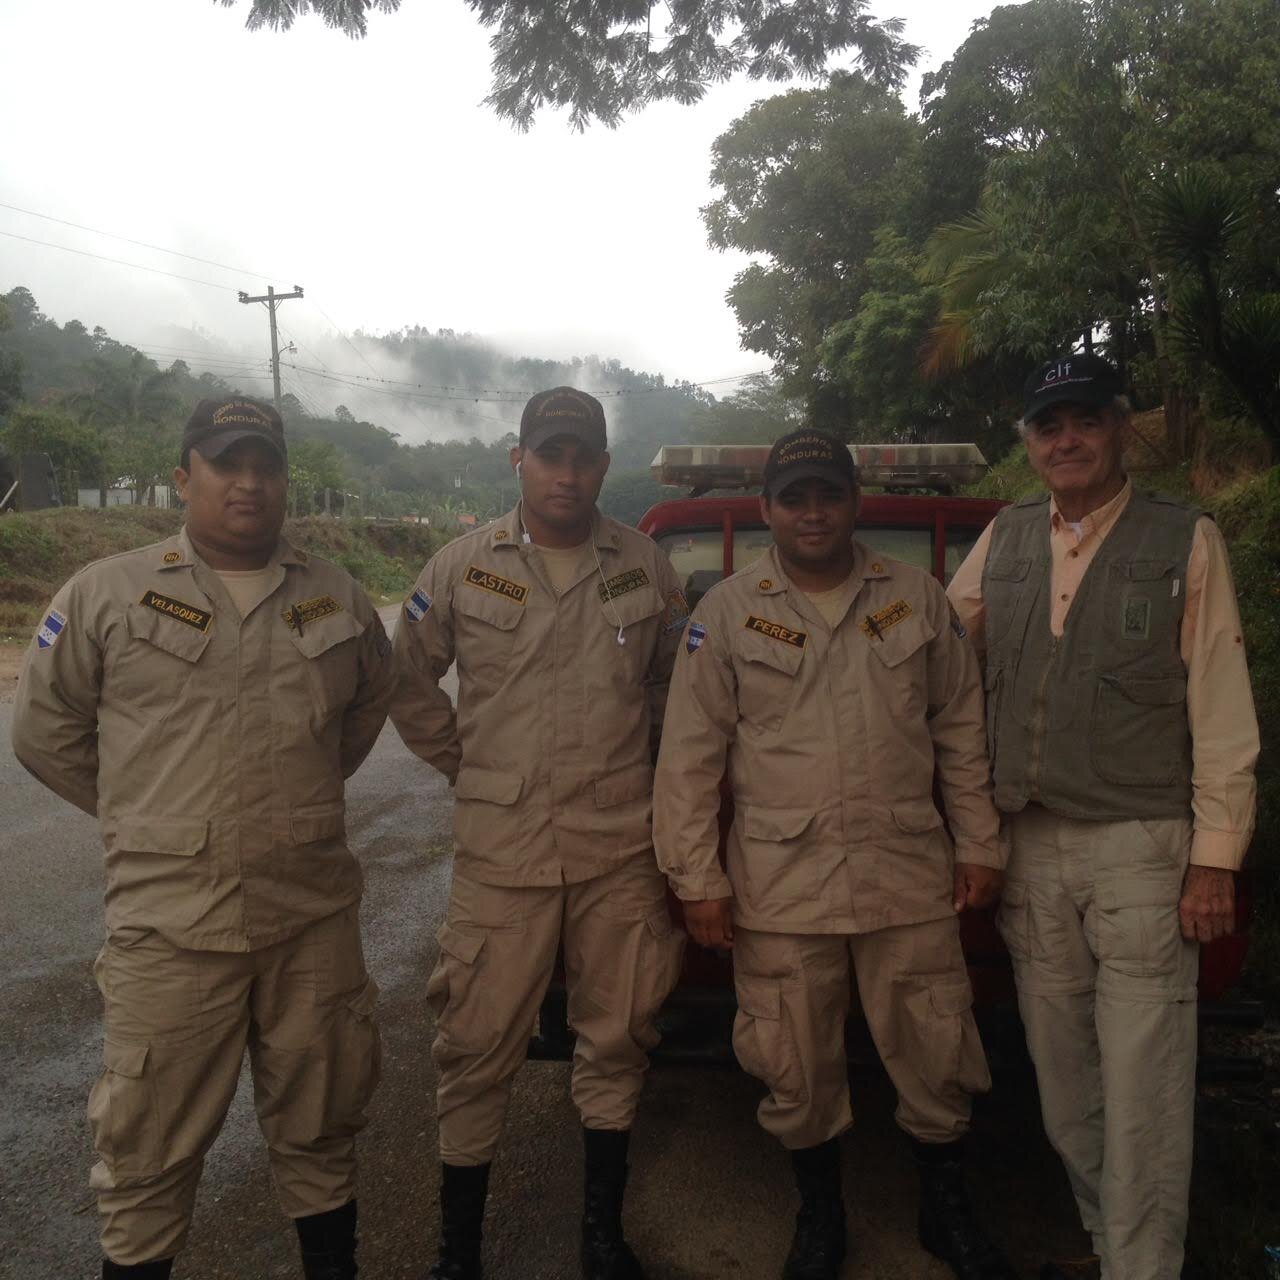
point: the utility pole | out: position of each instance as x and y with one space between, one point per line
273 300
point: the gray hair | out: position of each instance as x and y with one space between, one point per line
1120 404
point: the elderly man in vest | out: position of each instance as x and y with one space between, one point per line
1123 741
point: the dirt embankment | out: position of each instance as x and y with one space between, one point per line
40 550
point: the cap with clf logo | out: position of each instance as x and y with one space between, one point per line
1070 379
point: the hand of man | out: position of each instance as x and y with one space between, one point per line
710 923
975 886
1208 906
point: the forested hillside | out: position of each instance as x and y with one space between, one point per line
110 415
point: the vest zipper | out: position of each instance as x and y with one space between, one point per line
1039 714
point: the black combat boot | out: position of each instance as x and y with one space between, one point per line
463 1189
158 1270
948 1229
818 1247
605 1254
329 1243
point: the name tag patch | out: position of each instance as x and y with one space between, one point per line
876 624
50 629
179 610
306 611
620 584
418 605
776 631
516 591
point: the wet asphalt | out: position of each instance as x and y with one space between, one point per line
710 1194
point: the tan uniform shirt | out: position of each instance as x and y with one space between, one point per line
831 736
1224 727
550 746
212 750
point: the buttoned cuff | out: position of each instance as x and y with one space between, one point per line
701 888
1222 849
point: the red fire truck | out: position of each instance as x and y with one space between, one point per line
911 512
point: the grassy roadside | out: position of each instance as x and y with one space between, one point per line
40 550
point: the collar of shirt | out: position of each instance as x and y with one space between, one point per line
508 530
1097 524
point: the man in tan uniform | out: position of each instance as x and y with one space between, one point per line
564 626
205 698
834 682
1123 742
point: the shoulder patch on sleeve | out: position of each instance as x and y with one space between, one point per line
697 634
676 612
50 629
418 605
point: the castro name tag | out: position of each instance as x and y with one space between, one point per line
776 631
620 584
178 610
310 610
475 577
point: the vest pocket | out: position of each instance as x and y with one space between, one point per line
1139 731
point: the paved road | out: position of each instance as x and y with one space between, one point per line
710 1193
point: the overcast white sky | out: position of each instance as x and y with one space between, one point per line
367 172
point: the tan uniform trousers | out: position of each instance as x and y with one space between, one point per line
1107 990
177 1023
497 952
794 994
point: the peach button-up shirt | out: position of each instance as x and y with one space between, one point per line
1224 726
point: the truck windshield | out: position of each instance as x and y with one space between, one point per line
698 556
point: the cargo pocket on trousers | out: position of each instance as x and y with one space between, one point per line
1137 933
953 1049
122 1112
763 1039
662 954
1013 923
453 992
356 1063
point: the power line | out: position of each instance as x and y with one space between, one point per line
120 262
141 244
343 336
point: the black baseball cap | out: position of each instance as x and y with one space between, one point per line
216 425
563 411
1070 379
808 454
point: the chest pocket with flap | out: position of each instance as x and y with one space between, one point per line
484 633
767 670
150 671
328 646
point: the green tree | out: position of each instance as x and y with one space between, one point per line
72 447
603 58
808 178
314 466
10 367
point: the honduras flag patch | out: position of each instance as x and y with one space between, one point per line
418 605
696 635
50 629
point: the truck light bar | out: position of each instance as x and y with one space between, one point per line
702 467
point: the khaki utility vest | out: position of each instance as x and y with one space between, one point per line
1092 724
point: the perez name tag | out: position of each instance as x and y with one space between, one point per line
776 631
516 591
178 610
